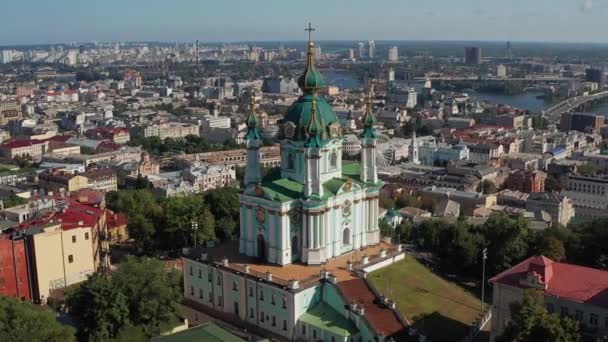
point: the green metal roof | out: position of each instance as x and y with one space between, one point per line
324 317
207 332
300 114
285 190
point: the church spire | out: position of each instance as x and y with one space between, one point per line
369 132
315 128
311 79
253 125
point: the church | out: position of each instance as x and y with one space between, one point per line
308 235
318 207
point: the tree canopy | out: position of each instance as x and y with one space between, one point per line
140 298
530 321
22 321
166 224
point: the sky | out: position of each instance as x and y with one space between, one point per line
59 21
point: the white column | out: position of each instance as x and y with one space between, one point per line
305 231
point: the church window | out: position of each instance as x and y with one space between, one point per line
346 236
290 161
219 280
200 274
294 245
333 160
251 313
250 291
200 293
209 276
192 290
284 325
284 302
235 286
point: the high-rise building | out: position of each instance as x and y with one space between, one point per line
393 54
472 55
582 122
350 54
501 71
372 49
391 75
596 75
7 56
362 53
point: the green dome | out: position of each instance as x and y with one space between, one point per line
311 79
299 113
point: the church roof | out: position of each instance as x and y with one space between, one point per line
285 190
300 112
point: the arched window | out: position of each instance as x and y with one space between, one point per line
294 245
346 236
333 160
290 161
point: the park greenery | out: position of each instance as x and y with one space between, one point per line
458 246
440 309
134 303
530 321
166 224
189 144
23 321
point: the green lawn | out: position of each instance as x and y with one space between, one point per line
441 309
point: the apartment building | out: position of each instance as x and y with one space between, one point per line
569 290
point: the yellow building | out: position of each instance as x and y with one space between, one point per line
65 246
57 180
63 257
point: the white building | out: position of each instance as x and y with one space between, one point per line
431 153
393 54
501 71
209 177
372 49
7 56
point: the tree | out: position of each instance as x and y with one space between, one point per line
99 307
587 170
530 321
143 231
179 215
130 333
224 204
487 187
386 230
552 248
386 202
21 321
507 241
152 293
552 184
207 226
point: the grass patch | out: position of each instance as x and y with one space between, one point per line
439 308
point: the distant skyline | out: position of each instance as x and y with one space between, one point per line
26 22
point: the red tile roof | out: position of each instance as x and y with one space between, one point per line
75 215
116 220
382 319
22 143
577 283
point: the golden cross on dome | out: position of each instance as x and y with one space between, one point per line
310 29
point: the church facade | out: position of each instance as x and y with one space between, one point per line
317 207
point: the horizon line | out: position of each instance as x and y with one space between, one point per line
21 45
